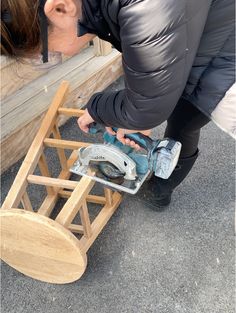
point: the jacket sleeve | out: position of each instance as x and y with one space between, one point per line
154 46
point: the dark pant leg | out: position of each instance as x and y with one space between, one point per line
184 125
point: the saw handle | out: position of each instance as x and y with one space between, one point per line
143 141
95 128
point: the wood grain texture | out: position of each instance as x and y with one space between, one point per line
53 182
15 75
40 247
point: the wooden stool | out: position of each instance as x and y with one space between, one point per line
34 243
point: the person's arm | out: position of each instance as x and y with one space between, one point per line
153 35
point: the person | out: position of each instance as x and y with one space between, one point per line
178 59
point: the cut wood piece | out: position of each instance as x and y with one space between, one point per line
100 221
26 202
54 182
74 203
28 166
65 144
25 246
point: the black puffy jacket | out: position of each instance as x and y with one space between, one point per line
159 41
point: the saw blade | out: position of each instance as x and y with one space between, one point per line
110 170
107 171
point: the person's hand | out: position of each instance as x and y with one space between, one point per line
120 135
84 121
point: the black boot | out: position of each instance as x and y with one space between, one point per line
157 192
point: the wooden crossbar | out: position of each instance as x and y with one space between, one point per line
53 182
64 144
76 228
90 198
70 112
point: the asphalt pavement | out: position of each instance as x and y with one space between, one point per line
175 261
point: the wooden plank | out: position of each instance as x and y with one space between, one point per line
90 198
74 203
65 144
101 47
100 221
39 91
56 75
18 188
53 182
26 202
85 220
15 75
71 112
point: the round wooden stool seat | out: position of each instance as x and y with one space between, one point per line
40 248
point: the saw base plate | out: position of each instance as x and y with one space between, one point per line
128 186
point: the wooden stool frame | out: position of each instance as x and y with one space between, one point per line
34 243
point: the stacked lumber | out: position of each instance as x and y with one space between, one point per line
26 93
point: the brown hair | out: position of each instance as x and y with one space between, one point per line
20 28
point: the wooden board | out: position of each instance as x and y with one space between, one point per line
40 247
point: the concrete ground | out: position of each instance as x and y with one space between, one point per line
175 261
